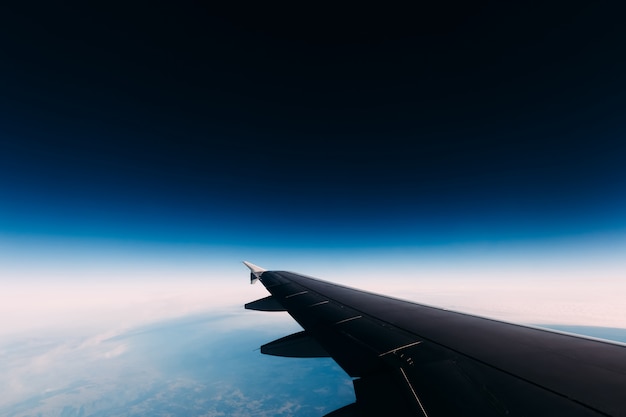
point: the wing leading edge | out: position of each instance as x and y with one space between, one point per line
409 359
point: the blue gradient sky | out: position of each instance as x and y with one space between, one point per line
474 159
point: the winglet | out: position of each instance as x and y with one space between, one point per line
255 270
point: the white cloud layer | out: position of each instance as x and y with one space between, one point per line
566 282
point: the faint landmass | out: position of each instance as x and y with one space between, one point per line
195 366
201 365
608 333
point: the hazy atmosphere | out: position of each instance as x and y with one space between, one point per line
463 156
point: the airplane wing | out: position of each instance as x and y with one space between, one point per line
408 359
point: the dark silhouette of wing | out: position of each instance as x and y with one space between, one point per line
409 359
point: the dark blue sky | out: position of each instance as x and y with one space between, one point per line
438 124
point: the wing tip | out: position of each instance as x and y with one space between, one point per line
255 271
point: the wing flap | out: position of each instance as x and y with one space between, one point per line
297 345
268 303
